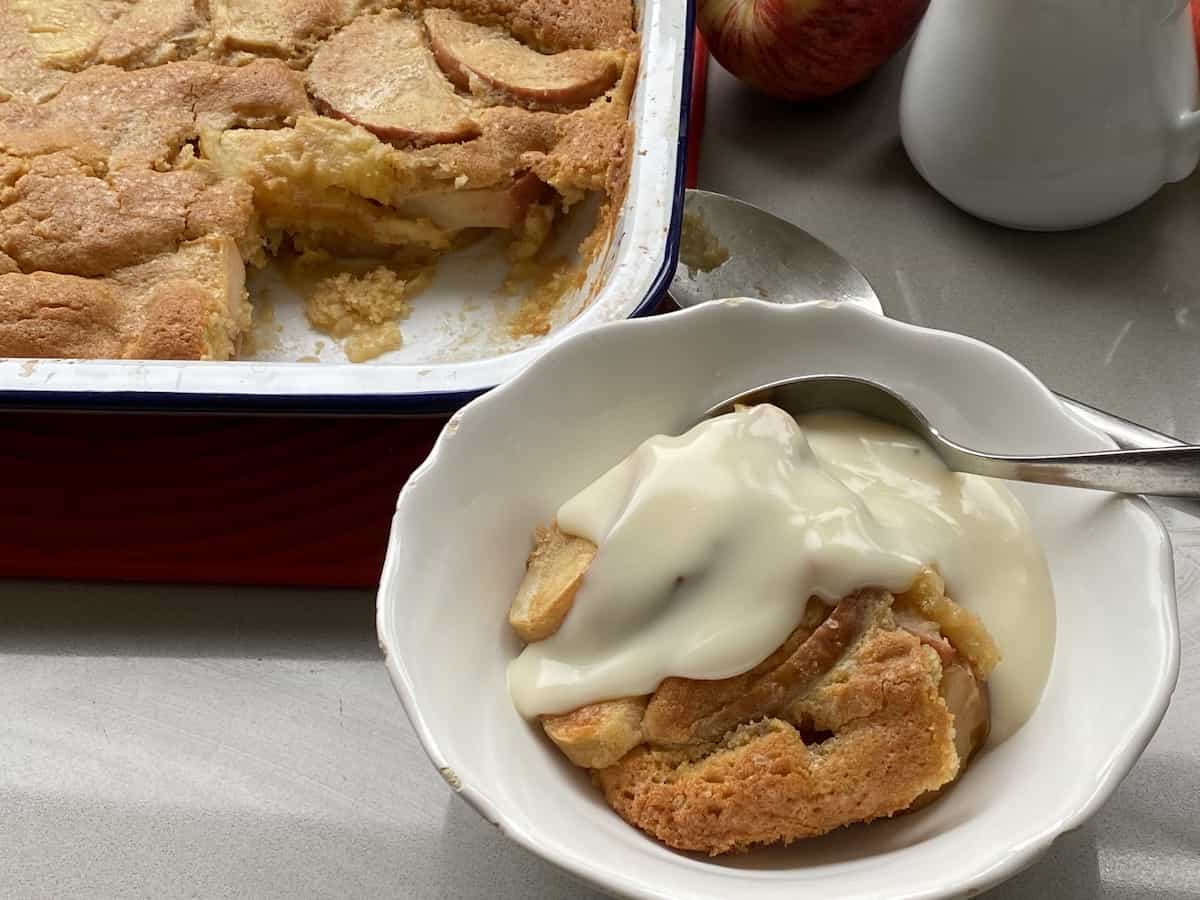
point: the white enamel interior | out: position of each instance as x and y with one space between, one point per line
456 339
505 462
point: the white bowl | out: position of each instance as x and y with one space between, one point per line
506 461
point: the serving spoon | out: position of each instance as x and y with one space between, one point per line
772 259
1161 471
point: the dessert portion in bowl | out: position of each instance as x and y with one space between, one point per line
767 628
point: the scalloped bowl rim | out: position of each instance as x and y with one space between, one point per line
996 865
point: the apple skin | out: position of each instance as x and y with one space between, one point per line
806 49
1196 19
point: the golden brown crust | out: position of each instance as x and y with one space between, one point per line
282 29
177 323
573 153
551 25
24 73
82 224
153 32
679 703
143 117
766 785
92 183
854 619
185 304
698 713
337 165
45 314
853 718
41 41
107 110
94 180
893 740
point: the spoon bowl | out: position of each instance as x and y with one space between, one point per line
733 249
1161 471
765 257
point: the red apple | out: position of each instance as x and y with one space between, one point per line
806 49
1196 19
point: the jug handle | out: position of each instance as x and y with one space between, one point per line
1185 126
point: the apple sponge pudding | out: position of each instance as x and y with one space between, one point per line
135 135
745 633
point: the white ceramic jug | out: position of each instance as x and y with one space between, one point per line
1052 114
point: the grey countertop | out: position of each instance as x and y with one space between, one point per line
202 742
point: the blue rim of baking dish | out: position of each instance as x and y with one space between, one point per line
432 403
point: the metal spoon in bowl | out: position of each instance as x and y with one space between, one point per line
1162 471
734 249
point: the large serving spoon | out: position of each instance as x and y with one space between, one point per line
734 249
1161 471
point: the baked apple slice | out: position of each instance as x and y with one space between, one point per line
286 29
483 59
378 73
598 735
63 33
484 208
553 574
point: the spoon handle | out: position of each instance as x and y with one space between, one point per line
1127 435
1161 471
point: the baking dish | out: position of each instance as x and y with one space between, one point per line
456 345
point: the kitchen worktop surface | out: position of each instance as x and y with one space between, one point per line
203 742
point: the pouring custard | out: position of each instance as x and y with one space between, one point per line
769 627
